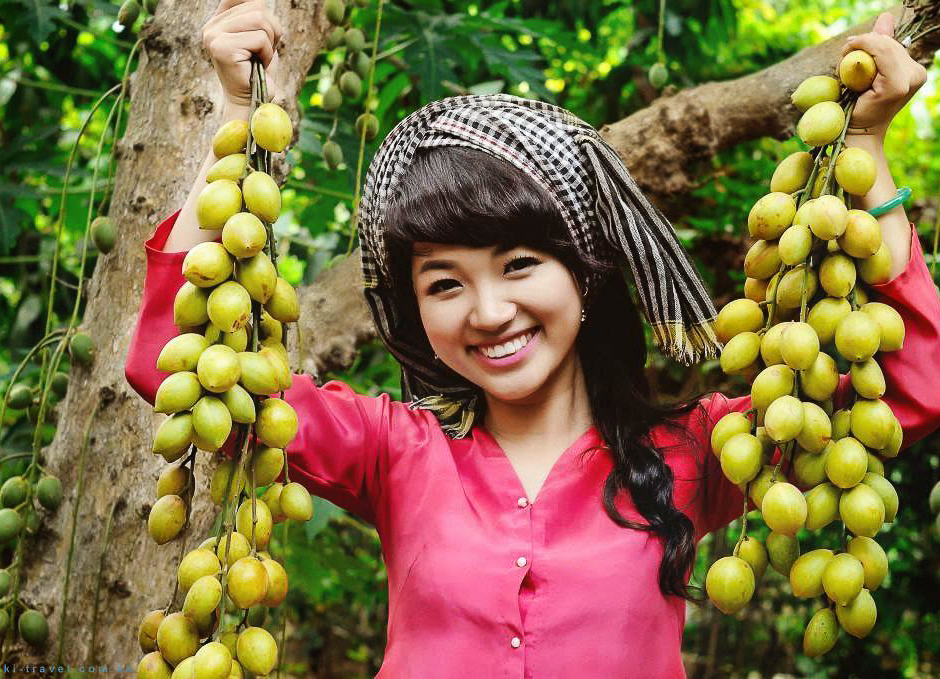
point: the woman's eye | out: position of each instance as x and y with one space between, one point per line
439 285
520 262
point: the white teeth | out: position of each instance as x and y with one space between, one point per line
508 348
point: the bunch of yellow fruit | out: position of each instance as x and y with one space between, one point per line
223 374
804 305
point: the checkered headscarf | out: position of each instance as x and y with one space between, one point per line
606 213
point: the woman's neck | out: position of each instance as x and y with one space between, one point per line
560 411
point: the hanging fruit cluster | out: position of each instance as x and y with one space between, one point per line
226 364
346 77
805 308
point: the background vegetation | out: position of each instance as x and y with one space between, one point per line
590 56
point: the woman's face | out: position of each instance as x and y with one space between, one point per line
475 298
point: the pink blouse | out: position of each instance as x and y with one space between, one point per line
486 582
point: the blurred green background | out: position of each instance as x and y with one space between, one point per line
589 56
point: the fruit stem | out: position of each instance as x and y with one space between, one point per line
837 147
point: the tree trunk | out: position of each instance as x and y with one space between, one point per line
174 112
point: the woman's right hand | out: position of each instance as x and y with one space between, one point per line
238 30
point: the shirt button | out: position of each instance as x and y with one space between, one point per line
523 502
516 642
521 561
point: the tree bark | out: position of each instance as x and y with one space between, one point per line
174 112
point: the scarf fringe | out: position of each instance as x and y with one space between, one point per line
687 344
455 416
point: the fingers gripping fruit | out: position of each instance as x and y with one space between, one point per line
805 307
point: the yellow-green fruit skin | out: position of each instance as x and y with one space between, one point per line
177 638
807 573
271 127
244 235
876 269
230 138
262 524
795 244
843 578
862 511
167 518
283 305
771 215
258 276
153 666
753 553
813 90
194 565
740 353
873 559
821 124
296 503
762 259
257 651
229 306
190 306
784 419
817 428
837 275
248 581
212 421
730 584
859 616
173 436
182 353
770 384
262 196
825 316
855 171
821 633
267 464
792 173
857 337
217 202
868 379
822 506
178 392
230 167
799 346
784 508
218 368
729 425
737 316
846 463
809 469
212 661
872 423
889 323
782 552
277 423
857 70
887 493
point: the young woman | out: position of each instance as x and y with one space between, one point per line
538 509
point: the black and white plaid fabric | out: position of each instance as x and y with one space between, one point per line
606 213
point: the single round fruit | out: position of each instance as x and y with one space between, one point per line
355 39
167 518
283 305
189 306
129 12
817 428
258 376
862 510
859 616
771 215
334 10
784 508
821 124
889 322
795 244
229 306
876 269
369 123
218 368
784 419
296 503
740 353
792 173
887 493
857 70
177 638
14 491
837 274
813 90
212 420
271 127
753 553
258 276
178 392
658 75
872 423
822 632
244 235
174 480
770 384
843 578
738 316
33 628
196 564
873 559
846 462
147 632
182 353
799 345
350 84
103 234
729 584
855 171
276 425
332 153
782 552
822 506
262 196
821 379
807 573
868 379
218 201
212 661
260 528
230 138
82 349
857 336
203 597
207 264
230 167
257 651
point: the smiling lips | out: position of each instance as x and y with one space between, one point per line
507 348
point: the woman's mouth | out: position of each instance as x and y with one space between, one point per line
510 352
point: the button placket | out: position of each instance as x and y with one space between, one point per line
521 561
523 502
516 642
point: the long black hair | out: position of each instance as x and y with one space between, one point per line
462 196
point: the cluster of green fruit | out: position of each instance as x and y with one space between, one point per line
130 11
347 75
223 375
803 309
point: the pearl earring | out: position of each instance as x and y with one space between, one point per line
436 357
582 315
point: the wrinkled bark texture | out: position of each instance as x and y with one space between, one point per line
174 112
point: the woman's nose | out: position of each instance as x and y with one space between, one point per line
491 312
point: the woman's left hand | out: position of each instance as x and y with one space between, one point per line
899 77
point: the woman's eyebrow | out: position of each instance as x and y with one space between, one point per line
448 264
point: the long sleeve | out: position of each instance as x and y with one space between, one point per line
912 375
341 451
